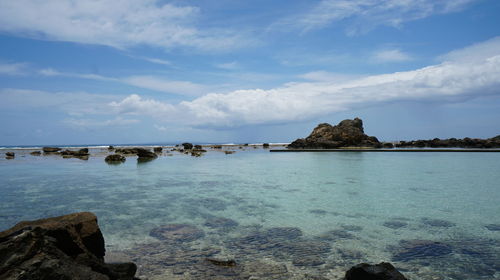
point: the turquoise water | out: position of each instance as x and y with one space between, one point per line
359 207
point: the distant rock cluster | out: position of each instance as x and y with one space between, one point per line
493 142
348 133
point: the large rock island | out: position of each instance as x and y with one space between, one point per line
348 133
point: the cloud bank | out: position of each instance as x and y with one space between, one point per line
451 80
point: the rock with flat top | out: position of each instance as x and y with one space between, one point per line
381 271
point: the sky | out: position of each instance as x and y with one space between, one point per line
222 71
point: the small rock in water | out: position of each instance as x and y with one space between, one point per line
221 262
115 159
9 155
177 233
381 271
36 153
49 150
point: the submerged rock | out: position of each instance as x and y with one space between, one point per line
177 233
115 159
493 227
80 153
418 249
229 152
65 247
220 222
381 271
437 223
36 153
348 133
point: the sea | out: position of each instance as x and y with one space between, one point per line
308 215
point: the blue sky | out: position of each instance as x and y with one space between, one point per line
88 72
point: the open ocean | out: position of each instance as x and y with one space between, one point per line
295 215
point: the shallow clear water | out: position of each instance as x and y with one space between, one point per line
360 205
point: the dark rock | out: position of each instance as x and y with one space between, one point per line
66 247
115 159
9 155
348 133
177 233
36 153
144 155
229 152
110 148
381 271
221 262
387 145
157 149
198 147
217 147
467 142
187 146
49 150
265 145
418 249
127 151
80 153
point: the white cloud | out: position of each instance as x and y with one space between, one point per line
448 81
157 61
119 24
393 55
160 128
367 14
228 66
163 85
13 69
146 82
324 76
92 123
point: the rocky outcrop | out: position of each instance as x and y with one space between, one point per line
493 142
115 159
80 153
9 155
65 247
126 151
348 133
158 150
381 271
49 150
144 155
187 146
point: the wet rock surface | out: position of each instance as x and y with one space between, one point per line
48 150
381 271
65 247
9 155
348 133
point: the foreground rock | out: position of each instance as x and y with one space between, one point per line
348 133
115 159
65 247
9 155
381 271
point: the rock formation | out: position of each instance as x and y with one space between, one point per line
65 247
187 146
348 133
493 142
80 153
9 155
